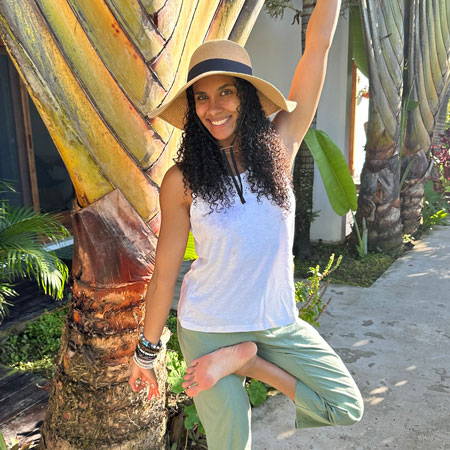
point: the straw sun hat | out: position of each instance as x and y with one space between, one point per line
221 57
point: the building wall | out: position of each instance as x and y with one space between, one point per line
274 46
333 116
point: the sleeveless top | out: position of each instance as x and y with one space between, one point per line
243 279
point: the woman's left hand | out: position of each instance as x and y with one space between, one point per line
141 378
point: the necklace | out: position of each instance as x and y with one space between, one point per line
237 184
230 147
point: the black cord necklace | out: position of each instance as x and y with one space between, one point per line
239 188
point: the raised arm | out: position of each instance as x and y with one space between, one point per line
309 76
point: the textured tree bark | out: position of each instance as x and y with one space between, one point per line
418 167
379 197
91 403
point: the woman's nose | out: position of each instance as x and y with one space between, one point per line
214 105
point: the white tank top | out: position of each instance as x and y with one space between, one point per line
243 279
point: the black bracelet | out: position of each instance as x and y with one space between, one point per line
145 356
155 347
146 349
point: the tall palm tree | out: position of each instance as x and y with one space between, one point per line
94 71
428 79
379 197
405 99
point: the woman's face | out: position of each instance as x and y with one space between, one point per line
216 104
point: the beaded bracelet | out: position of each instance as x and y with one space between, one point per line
144 355
143 364
146 350
153 347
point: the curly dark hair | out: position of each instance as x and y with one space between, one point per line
263 154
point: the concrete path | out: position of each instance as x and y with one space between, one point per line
395 339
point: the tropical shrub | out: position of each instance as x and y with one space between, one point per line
22 252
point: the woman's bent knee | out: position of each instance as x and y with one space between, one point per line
348 414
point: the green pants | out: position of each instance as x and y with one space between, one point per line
326 393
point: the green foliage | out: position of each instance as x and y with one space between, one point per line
2 443
275 9
36 346
435 208
191 420
336 177
353 270
22 254
257 392
171 324
362 236
309 293
15 445
176 368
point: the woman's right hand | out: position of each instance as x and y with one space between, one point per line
140 378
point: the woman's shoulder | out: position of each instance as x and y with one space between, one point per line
173 186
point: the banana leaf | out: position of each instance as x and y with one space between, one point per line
333 168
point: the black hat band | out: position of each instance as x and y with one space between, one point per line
219 65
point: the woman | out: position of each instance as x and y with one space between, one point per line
232 186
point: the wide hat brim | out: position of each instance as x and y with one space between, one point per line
174 110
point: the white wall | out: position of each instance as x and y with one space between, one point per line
333 116
274 46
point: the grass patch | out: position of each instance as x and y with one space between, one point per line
353 270
34 349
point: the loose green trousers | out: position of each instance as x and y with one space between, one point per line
326 393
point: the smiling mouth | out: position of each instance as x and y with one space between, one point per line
218 123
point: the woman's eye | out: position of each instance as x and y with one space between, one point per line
199 98
226 92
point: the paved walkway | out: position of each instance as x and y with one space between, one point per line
395 339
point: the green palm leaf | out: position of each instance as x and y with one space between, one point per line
6 290
22 254
334 171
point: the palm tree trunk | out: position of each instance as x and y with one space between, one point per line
94 71
379 197
91 404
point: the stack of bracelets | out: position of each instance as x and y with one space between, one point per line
146 352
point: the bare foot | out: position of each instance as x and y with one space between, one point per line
206 371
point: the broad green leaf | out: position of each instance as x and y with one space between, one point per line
191 418
176 368
359 52
2 443
257 392
338 182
